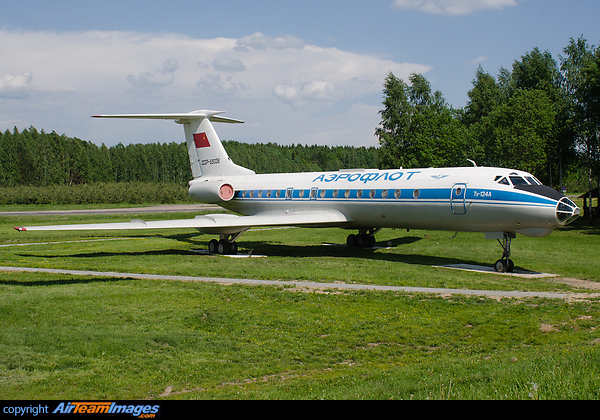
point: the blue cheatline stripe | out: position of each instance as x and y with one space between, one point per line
405 195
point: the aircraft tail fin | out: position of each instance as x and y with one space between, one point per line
207 154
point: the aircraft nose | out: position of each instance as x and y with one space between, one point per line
566 211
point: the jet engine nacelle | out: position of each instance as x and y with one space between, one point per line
211 192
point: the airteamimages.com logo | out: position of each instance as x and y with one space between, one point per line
142 411
78 408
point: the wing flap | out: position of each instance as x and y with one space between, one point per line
213 223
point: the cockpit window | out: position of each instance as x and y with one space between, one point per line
517 180
503 181
533 180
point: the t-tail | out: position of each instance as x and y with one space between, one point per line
208 157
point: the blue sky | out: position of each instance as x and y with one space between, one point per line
307 72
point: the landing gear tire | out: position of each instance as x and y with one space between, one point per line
227 244
371 242
500 267
504 266
351 241
227 248
362 240
222 247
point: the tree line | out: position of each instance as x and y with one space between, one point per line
542 116
33 158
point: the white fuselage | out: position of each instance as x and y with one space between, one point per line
455 199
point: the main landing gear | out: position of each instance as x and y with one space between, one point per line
505 265
226 245
364 239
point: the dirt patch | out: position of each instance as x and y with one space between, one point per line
581 284
547 327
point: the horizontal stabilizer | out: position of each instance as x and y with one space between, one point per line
207 154
181 118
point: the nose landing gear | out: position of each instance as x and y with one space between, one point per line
505 265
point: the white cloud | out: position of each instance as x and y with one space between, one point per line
228 65
213 84
275 83
159 78
452 7
15 86
478 60
307 90
260 41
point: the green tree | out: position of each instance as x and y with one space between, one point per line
579 85
484 97
518 132
418 129
538 70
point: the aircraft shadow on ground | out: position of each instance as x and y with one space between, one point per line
270 249
63 281
101 254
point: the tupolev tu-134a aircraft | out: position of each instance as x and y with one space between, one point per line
500 202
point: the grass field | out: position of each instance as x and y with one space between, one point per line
65 336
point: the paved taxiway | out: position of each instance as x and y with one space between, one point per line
301 284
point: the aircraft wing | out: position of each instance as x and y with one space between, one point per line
214 223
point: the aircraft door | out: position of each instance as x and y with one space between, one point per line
458 199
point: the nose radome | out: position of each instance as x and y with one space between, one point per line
566 211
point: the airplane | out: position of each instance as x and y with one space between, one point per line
499 202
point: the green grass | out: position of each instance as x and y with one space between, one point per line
74 337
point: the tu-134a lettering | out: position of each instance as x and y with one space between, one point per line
499 202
